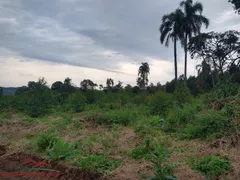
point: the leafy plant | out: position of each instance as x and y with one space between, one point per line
77 101
45 141
182 94
159 103
140 153
61 150
212 166
163 170
211 124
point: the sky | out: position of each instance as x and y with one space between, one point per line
93 39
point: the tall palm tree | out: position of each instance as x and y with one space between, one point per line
191 25
171 29
110 82
143 72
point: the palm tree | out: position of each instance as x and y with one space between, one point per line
191 24
143 72
110 82
101 87
171 29
68 81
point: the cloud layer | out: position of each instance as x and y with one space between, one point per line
103 35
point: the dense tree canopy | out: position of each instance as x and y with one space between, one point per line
221 50
236 4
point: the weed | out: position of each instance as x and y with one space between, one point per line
163 170
5 115
29 120
61 150
45 141
212 166
140 153
97 163
211 124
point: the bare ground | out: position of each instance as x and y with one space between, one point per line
13 143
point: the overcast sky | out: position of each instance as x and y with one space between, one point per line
94 39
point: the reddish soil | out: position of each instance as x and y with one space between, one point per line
13 161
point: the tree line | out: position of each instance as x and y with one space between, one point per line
218 51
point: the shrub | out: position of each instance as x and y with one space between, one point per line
77 101
211 124
159 103
212 166
178 117
61 150
45 141
225 90
163 170
182 94
155 121
140 153
121 116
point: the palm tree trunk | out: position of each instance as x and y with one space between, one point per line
185 50
175 58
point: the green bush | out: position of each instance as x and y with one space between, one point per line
178 117
77 101
159 103
225 90
162 169
182 94
212 166
155 121
140 153
120 116
45 141
61 150
210 124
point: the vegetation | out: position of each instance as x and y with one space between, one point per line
212 166
100 129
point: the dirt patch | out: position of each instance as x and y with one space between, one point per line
127 140
15 160
185 172
2 150
132 170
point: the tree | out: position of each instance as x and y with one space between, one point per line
171 29
21 90
191 24
109 83
1 91
41 84
57 86
101 87
87 84
68 81
236 4
143 72
68 87
128 86
119 85
221 50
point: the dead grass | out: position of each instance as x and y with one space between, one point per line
117 143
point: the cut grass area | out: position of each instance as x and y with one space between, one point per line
106 148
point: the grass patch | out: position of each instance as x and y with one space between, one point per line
97 163
212 166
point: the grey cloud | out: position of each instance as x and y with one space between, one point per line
78 32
